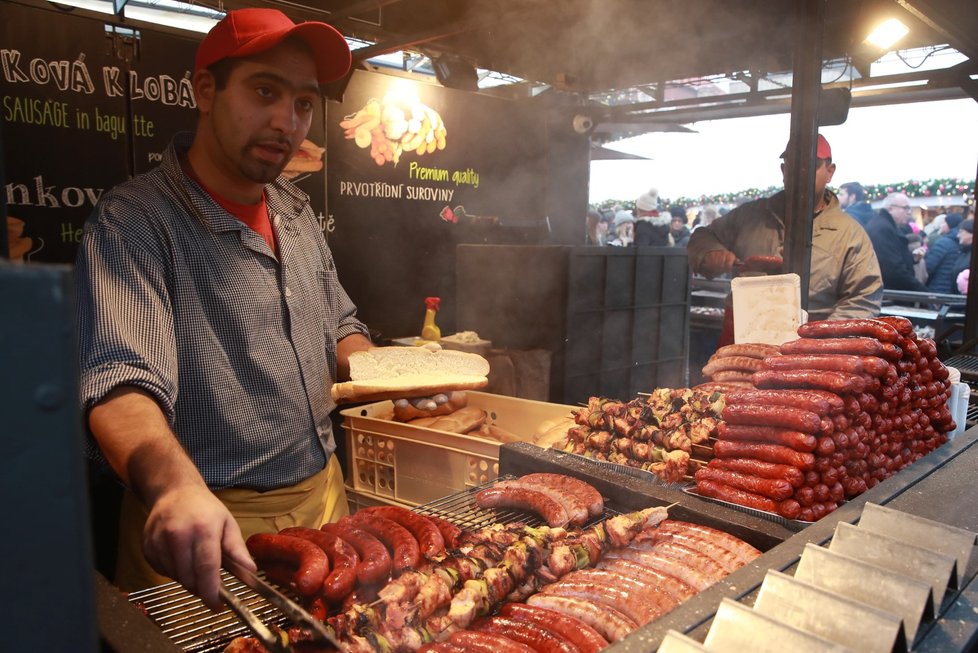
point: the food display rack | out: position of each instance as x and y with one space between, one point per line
939 487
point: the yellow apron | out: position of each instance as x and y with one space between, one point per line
318 500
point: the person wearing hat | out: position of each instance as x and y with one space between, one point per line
678 228
949 254
844 280
887 232
624 229
211 319
651 228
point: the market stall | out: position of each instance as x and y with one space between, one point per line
927 481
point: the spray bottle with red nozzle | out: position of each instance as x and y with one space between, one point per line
430 330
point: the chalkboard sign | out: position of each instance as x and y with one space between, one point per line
64 140
415 169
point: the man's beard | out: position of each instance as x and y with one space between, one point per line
261 171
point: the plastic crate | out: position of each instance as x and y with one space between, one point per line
394 461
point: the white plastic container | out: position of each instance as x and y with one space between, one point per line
767 309
958 405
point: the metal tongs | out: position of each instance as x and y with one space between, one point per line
295 612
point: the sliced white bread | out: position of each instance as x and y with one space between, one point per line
394 372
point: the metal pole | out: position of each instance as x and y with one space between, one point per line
799 186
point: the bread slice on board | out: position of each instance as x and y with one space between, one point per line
394 372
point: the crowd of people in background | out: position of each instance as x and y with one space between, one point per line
650 223
922 249
919 248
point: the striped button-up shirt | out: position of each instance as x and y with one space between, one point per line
179 298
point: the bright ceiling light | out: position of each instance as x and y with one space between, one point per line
887 33
190 22
102 6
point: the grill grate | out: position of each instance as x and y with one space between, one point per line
967 364
193 626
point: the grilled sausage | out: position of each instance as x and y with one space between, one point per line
761 468
725 363
587 492
733 495
858 346
903 326
676 588
451 533
310 561
838 382
725 387
777 489
537 638
441 647
782 416
659 600
742 550
749 349
665 564
425 531
833 362
575 508
702 563
343 559
849 328
732 376
487 642
770 434
727 560
820 402
772 453
405 552
891 351
629 604
521 498
611 624
578 633
375 562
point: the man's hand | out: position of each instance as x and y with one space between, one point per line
188 528
717 262
187 532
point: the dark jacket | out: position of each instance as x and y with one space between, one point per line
945 259
862 212
680 238
648 233
896 261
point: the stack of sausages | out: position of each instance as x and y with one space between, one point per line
840 409
732 366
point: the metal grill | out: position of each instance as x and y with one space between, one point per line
193 626
460 509
967 364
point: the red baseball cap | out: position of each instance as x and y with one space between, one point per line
822 150
245 32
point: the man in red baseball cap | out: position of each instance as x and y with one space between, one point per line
212 322
247 32
845 276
